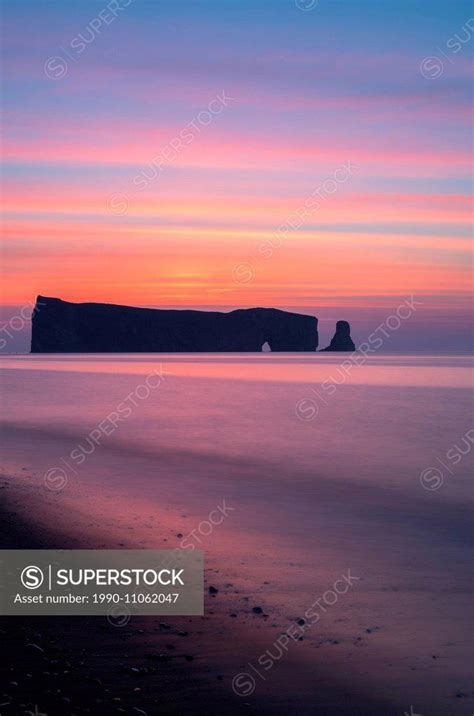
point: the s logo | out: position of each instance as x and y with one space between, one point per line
32 577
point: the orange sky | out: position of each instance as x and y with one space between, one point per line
291 111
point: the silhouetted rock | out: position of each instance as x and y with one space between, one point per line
341 340
63 327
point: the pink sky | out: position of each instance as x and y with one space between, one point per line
304 96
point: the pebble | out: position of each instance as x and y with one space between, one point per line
35 648
213 590
158 657
257 610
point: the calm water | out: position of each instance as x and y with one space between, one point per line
326 467
302 413
294 423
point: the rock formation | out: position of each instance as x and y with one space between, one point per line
341 340
63 327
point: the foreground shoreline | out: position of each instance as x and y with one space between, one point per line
152 665
96 665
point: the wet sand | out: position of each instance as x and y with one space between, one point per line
149 665
186 665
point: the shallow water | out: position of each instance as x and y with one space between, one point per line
299 412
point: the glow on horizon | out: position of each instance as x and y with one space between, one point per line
302 106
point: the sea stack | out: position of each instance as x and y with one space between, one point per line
341 340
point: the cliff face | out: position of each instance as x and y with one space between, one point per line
341 341
63 327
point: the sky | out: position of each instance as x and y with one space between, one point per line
311 155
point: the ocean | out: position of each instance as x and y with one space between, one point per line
290 472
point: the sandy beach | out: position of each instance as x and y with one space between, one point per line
101 665
97 665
